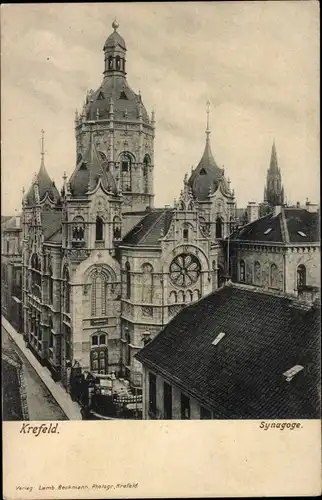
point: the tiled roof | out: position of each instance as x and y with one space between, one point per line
286 227
11 223
242 376
51 225
148 231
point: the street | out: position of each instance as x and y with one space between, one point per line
39 401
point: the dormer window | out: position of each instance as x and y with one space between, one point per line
219 337
267 231
203 171
290 374
100 96
302 234
123 95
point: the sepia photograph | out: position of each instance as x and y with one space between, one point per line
160 217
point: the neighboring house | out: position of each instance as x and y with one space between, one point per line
11 270
238 353
280 251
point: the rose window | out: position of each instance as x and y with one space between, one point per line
184 270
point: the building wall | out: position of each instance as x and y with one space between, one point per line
287 260
195 406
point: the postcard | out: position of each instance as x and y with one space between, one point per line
160 250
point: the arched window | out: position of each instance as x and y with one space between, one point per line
126 167
99 281
117 233
196 295
242 271
99 353
181 296
118 62
219 225
94 340
50 285
78 229
128 280
257 273
273 276
189 296
66 290
147 284
99 229
173 297
301 276
128 353
146 164
110 62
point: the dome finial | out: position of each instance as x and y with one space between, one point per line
115 24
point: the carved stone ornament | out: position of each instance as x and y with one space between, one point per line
147 311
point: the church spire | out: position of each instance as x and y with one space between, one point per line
274 191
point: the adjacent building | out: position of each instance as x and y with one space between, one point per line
11 270
239 353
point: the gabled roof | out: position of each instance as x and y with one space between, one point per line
148 231
11 223
242 376
286 227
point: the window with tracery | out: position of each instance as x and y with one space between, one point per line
126 167
147 283
185 270
99 282
78 229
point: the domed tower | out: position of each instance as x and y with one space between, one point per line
115 119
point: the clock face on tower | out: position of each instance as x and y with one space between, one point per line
184 270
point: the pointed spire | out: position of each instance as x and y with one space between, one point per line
273 163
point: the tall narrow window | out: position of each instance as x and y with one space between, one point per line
147 283
274 281
301 276
128 280
219 228
152 395
146 164
257 273
99 229
99 281
128 346
66 290
117 233
118 62
242 271
126 164
185 407
50 285
78 229
167 401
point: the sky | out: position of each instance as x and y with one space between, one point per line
256 62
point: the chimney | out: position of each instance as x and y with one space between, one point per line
277 210
298 205
252 211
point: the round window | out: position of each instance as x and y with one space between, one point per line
184 270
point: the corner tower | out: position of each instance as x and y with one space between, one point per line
115 119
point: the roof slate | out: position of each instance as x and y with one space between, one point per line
51 224
295 219
242 376
148 231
